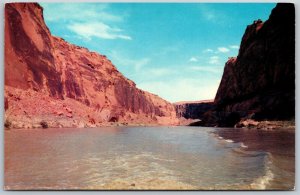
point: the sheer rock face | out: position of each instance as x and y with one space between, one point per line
260 82
193 110
29 59
39 65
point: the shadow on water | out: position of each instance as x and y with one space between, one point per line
277 145
276 142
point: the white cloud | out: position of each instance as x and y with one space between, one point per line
208 13
214 60
193 59
205 69
182 89
223 49
208 50
138 64
234 46
158 72
121 61
97 29
79 12
214 16
87 20
169 49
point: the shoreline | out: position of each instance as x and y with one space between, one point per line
266 125
50 121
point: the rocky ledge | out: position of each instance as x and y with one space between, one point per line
265 125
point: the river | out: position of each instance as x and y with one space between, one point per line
194 158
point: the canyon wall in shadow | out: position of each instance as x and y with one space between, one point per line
260 82
193 110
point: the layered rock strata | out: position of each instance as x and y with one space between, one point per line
49 79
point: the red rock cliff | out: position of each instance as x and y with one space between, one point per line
47 78
260 82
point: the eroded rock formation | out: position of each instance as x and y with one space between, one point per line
49 79
260 82
193 110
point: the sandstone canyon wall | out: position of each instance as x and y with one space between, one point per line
260 82
193 110
48 79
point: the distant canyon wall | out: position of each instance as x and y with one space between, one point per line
193 110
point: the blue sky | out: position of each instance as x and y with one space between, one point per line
177 51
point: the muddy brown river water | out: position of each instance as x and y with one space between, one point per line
149 158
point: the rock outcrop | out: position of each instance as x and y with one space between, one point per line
48 79
193 110
260 82
265 125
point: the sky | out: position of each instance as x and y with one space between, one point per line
175 50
